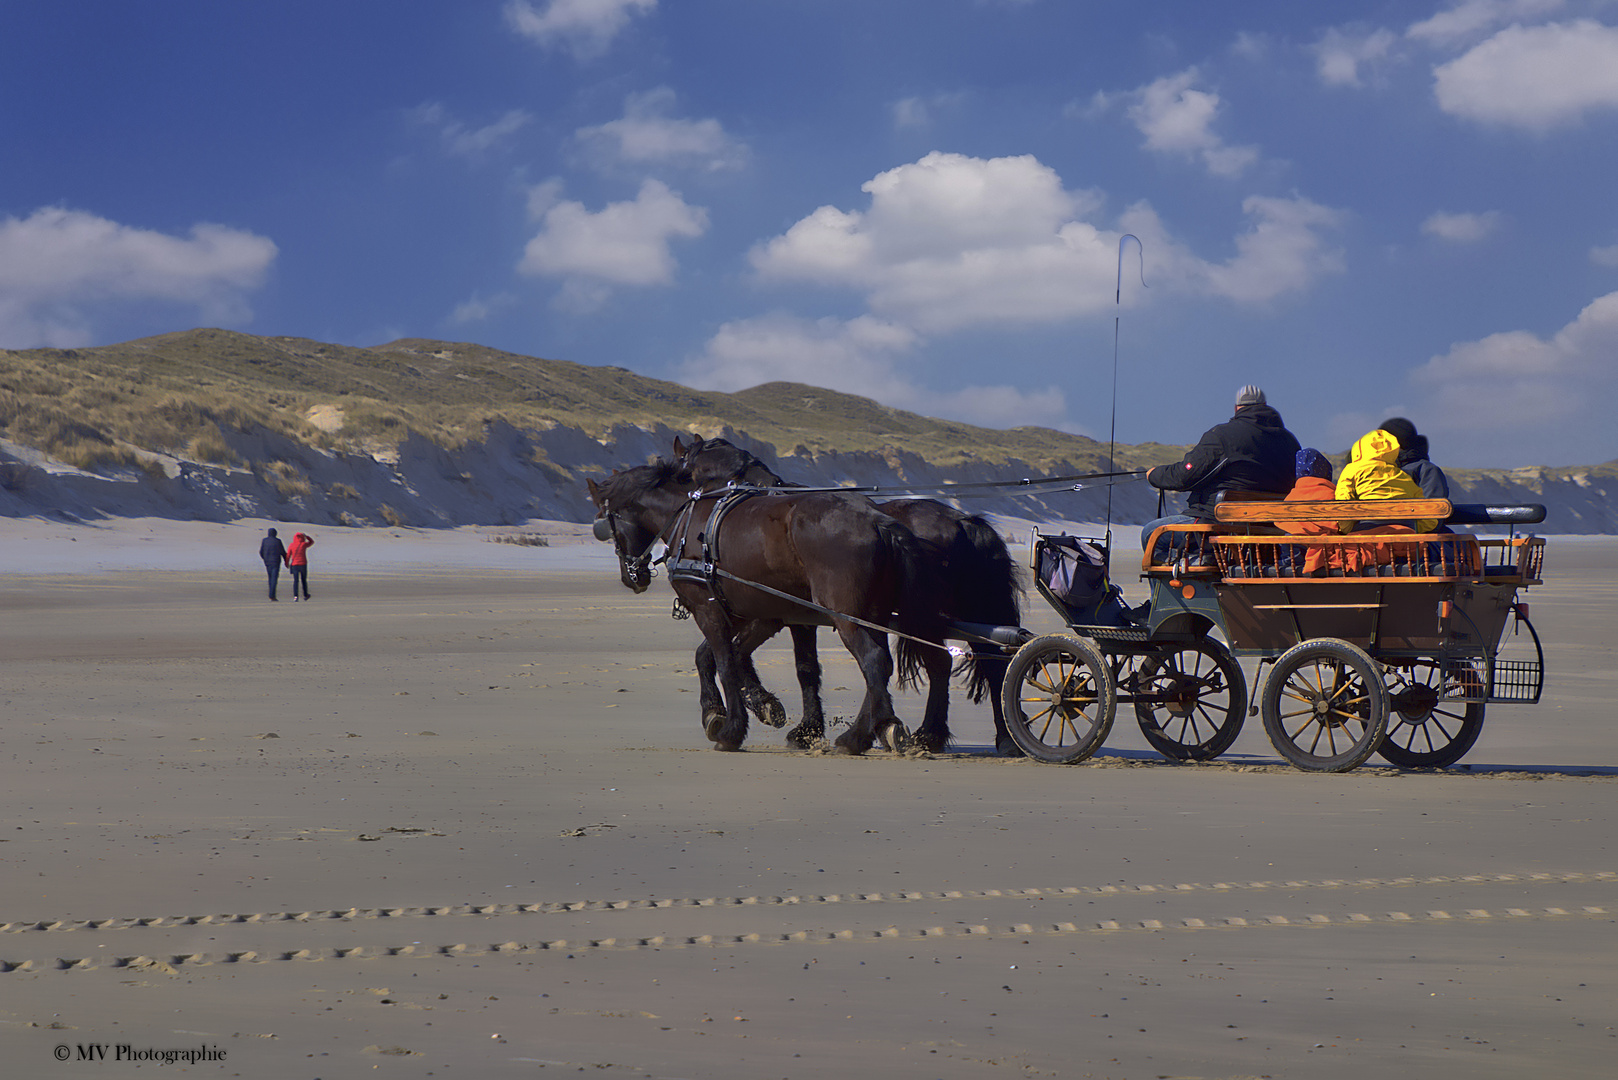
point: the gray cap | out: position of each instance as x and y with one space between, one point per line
1249 395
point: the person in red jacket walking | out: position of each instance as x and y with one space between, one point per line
298 563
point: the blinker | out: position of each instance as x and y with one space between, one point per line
602 529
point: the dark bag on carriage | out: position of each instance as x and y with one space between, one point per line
1074 570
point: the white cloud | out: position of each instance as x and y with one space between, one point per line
587 27
57 266
954 241
1282 252
647 134
1340 54
477 309
1251 46
624 243
1516 386
1470 18
911 112
1533 77
1176 118
918 112
461 141
1461 228
863 356
1605 256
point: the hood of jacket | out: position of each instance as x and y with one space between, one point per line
1263 416
1376 445
1413 449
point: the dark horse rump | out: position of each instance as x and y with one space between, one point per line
835 551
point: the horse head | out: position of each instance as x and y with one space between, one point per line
623 517
713 462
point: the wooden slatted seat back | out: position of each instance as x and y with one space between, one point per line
1364 510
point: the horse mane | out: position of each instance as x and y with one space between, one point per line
730 462
640 478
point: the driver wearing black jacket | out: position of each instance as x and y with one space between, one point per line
1252 451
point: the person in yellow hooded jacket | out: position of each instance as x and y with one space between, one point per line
1373 472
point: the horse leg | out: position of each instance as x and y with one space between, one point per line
728 729
870 651
813 725
933 735
994 665
713 706
764 705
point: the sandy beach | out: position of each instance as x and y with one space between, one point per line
455 816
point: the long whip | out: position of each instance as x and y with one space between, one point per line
1117 300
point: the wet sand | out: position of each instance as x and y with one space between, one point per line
456 817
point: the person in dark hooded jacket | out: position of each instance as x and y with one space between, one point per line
274 553
1413 458
1252 451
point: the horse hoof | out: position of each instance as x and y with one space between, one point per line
727 747
1007 748
849 747
773 714
712 724
893 737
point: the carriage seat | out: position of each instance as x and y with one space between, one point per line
1383 511
1197 538
1380 545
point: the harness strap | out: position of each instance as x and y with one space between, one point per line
810 604
707 570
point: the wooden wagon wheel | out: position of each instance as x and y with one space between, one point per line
1426 729
1324 707
1058 699
1195 699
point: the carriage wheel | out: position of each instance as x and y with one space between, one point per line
1058 699
1324 706
1426 730
1196 701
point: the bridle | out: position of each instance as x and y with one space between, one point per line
637 569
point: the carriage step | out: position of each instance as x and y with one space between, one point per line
1114 633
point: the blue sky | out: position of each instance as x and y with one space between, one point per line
1367 208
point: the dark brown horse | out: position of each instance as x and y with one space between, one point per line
860 568
981 584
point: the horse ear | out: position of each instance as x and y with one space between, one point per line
595 489
679 451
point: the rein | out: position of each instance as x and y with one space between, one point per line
987 488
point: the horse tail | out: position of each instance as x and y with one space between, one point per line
987 587
918 588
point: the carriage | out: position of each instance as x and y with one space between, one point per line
1383 642
1377 639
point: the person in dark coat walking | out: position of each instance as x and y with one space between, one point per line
1252 451
274 553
